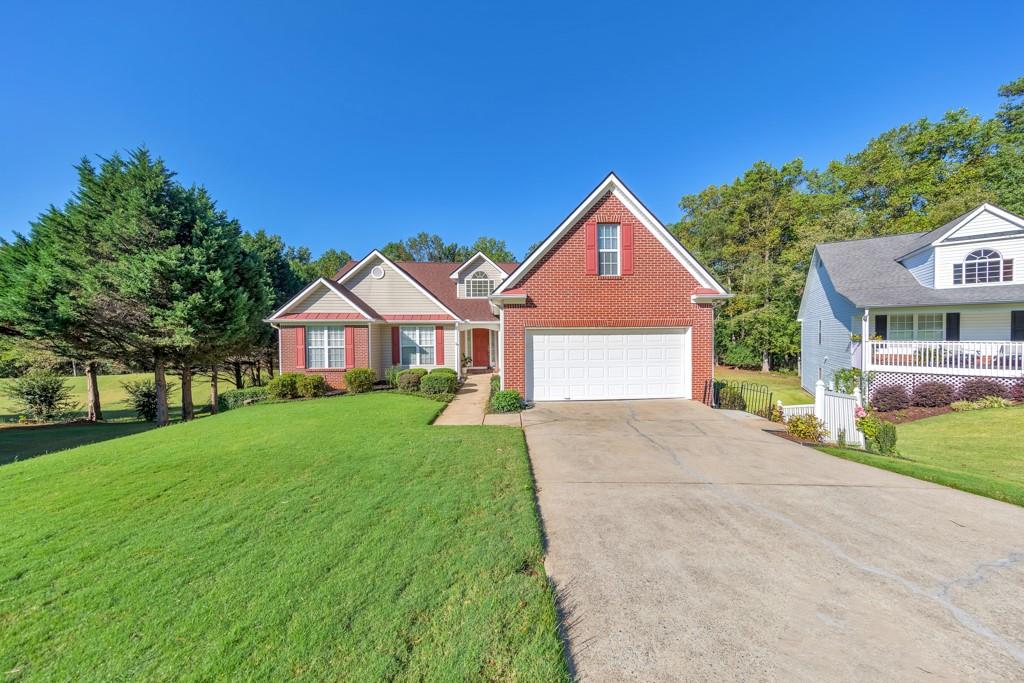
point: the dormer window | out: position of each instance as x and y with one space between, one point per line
479 285
983 266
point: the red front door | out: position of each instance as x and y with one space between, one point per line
481 348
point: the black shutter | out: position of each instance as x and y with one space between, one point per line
882 326
1016 325
952 327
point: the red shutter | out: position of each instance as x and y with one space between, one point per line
438 345
396 349
590 228
300 347
350 347
626 234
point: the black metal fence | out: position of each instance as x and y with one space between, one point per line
746 396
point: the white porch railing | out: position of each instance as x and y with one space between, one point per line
972 359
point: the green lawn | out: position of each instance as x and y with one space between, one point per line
341 538
784 387
978 451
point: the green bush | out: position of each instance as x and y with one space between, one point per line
142 397
419 372
311 386
439 383
42 395
740 356
495 383
391 375
234 398
360 380
730 398
963 406
885 440
993 402
284 386
506 401
443 371
806 427
409 381
846 379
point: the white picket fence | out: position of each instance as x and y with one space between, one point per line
838 411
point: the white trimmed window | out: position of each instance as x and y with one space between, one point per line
982 266
417 345
931 326
325 347
901 327
607 248
479 285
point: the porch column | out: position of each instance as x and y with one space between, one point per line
458 349
865 353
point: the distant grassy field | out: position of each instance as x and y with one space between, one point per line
784 387
978 451
335 539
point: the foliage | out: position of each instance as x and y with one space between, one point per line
977 388
142 398
443 371
891 397
284 386
506 401
847 379
495 383
121 526
807 428
41 395
234 398
439 383
730 398
1017 392
409 381
425 246
360 380
932 394
391 375
994 402
312 385
964 406
879 435
419 372
739 355
308 269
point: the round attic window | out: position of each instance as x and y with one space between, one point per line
377 272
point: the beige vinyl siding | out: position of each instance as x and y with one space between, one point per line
322 300
391 294
382 339
977 323
496 274
947 255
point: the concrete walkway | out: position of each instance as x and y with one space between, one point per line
470 406
687 544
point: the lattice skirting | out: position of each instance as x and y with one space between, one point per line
909 380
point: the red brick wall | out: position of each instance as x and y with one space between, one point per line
561 294
334 377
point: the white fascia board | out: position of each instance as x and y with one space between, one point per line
302 295
994 210
404 274
709 298
455 273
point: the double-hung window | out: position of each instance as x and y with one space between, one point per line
901 327
920 327
417 345
607 248
930 326
325 347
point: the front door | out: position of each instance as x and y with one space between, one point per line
481 347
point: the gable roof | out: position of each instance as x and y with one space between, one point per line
612 184
868 272
479 254
435 278
946 232
362 311
404 273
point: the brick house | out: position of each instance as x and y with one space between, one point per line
609 306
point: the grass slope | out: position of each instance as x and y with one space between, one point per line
785 388
341 538
978 451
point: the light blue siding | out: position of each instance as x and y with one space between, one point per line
822 304
922 267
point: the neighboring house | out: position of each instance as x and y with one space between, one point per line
946 304
609 306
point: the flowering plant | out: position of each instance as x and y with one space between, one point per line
859 412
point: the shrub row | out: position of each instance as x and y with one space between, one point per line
233 398
297 385
933 394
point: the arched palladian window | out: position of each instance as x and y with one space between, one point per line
479 285
981 266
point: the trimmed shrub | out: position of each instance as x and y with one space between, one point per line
360 380
142 397
234 398
409 381
932 394
730 398
885 440
419 372
284 386
889 398
42 395
807 427
978 388
495 383
312 386
391 375
439 383
443 371
740 356
1017 392
507 401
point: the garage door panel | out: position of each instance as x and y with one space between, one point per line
612 364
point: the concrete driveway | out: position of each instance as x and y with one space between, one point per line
687 544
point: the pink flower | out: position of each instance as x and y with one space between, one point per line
860 412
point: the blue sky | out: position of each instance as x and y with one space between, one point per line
344 125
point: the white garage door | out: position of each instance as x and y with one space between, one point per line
586 365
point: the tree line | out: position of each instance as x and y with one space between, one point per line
757 233
139 271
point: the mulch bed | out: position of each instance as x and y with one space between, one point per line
913 413
782 433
